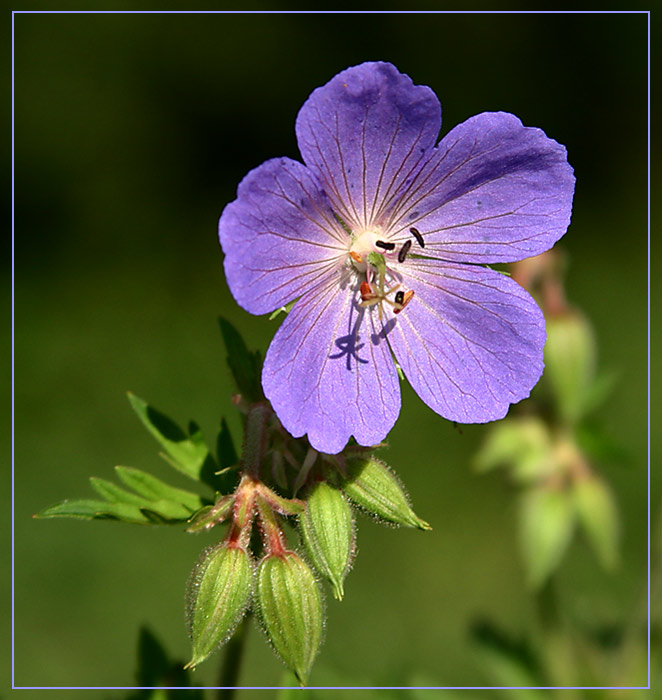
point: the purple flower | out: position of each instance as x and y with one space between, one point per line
381 237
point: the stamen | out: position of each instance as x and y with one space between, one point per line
399 296
403 251
417 235
355 257
407 298
384 245
367 292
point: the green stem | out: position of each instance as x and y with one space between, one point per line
231 665
557 644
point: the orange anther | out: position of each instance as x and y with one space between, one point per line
407 298
367 292
355 256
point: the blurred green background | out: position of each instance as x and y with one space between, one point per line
131 134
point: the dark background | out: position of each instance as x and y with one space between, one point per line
131 134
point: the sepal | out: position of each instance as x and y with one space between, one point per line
291 611
219 593
547 520
327 532
598 515
570 357
370 484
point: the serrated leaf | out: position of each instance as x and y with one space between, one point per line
153 489
547 520
188 454
88 509
245 366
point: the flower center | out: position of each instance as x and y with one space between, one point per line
362 246
378 281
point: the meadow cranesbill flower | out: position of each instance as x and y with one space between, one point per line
381 238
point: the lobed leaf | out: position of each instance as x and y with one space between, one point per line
245 366
188 454
88 509
153 489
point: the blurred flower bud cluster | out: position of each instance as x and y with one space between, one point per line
542 444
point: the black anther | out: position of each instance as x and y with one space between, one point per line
403 251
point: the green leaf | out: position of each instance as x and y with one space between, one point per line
156 669
246 366
547 520
187 454
87 509
164 511
225 451
113 493
226 455
283 310
153 489
510 663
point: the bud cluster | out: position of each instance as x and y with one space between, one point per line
544 449
266 574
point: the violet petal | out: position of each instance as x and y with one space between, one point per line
279 236
364 134
470 341
329 374
493 191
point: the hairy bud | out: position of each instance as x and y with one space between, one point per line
374 487
290 606
327 530
219 590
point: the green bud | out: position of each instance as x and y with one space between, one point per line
570 363
291 611
219 592
522 445
599 518
547 521
373 486
327 530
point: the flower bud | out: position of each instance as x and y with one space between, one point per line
570 363
219 592
546 524
598 516
291 613
374 487
327 530
523 445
